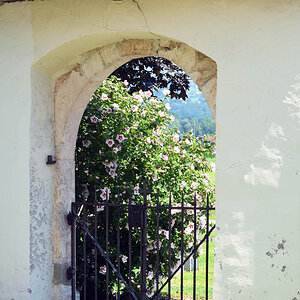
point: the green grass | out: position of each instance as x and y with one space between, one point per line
200 276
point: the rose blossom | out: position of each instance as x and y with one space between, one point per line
109 142
105 193
205 181
193 185
109 110
167 105
116 106
112 165
175 137
100 207
152 101
116 149
120 138
176 149
94 119
161 114
183 184
125 82
213 166
150 275
104 97
102 270
166 92
189 228
148 94
86 143
191 165
134 108
148 140
136 190
138 97
165 157
112 173
172 118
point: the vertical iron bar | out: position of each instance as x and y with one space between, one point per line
106 247
95 248
73 251
118 239
207 246
181 247
195 253
144 244
84 251
169 250
157 245
129 244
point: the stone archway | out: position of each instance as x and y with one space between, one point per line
72 93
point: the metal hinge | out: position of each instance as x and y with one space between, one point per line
70 218
70 273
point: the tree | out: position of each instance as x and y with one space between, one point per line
154 73
125 139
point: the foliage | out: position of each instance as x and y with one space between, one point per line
154 73
200 127
125 139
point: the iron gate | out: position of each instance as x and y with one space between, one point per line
99 241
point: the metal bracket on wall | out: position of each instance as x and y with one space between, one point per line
50 160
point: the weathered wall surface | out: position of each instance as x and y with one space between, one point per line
256 47
16 55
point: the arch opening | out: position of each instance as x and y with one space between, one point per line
72 94
126 137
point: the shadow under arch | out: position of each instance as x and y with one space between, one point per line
72 92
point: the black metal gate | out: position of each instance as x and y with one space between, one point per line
113 255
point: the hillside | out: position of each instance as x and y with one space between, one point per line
193 113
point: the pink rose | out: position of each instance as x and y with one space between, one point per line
120 137
176 149
104 97
110 142
94 119
175 137
136 190
148 94
134 108
102 270
161 114
165 158
166 92
86 143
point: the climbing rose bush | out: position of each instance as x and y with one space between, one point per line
125 139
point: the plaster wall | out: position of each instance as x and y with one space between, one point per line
16 52
256 47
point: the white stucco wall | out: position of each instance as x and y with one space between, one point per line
256 47
16 55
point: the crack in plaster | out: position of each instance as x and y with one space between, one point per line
145 18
